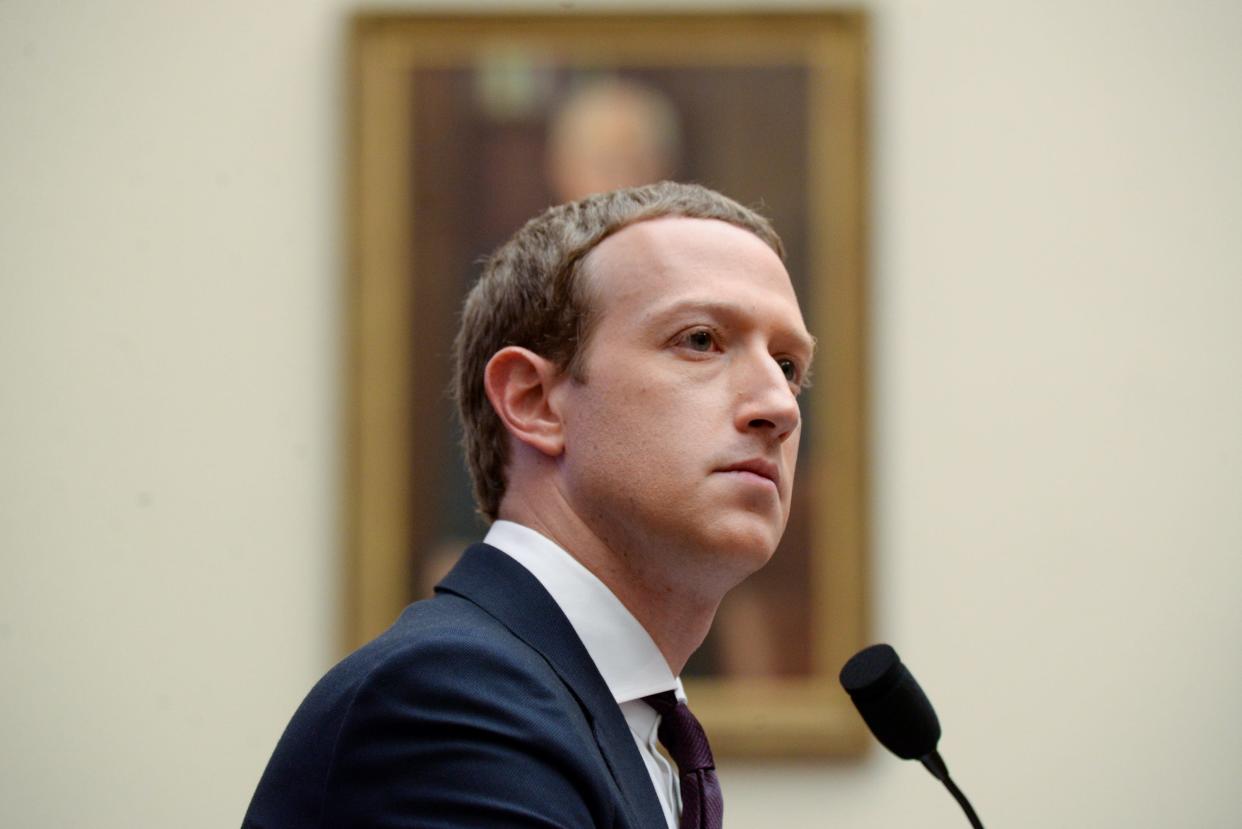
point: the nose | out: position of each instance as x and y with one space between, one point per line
766 402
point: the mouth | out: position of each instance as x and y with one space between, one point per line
758 470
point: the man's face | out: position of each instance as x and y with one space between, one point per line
683 436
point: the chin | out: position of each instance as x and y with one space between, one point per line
747 544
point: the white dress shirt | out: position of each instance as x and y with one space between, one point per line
622 650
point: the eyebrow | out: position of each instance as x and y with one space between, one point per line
729 310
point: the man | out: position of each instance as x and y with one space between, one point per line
627 376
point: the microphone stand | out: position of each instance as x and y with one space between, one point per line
940 771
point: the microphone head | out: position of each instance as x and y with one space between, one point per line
891 702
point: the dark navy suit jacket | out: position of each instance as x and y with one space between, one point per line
477 708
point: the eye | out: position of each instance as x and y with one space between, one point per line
789 368
699 340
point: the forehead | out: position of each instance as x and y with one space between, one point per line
671 260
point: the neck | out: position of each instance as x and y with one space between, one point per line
673 604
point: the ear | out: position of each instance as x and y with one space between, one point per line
519 384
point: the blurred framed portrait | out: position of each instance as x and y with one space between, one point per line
464 127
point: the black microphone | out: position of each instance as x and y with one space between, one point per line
899 713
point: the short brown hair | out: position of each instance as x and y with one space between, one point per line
531 294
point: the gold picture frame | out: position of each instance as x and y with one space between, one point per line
787 85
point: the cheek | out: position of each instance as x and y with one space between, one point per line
790 451
644 434
791 447
612 425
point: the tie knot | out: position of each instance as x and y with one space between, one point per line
681 733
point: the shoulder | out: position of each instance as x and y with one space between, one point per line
440 658
444 654
448 712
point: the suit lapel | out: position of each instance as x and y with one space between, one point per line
507 591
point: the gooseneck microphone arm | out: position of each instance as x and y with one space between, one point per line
940 771
899 713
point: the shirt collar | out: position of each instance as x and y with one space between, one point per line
625 654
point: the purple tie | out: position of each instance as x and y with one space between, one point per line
702 805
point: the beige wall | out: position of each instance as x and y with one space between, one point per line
1057 306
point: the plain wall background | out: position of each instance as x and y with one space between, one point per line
1056 338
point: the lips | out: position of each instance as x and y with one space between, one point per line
757 466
